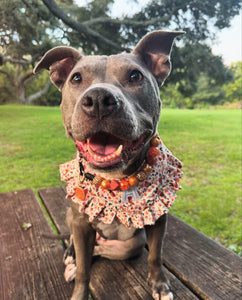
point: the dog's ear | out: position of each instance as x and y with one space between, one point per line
59 61
155 49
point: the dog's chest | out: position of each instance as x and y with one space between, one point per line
114 231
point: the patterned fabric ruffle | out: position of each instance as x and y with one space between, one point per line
156 193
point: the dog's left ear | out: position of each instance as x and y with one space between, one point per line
155 49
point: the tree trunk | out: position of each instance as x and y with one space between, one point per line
20 91
40 93
19 85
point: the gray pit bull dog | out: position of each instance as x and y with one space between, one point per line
123 179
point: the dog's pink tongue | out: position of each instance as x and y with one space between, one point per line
103 149
104 144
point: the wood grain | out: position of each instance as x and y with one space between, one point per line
209 269
56 205
31 266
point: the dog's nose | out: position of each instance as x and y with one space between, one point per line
99 103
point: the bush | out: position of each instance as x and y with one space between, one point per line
233 89
171 97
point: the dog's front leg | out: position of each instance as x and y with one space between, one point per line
157 279
84 239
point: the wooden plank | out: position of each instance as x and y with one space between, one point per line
31 266
112 279
127 280
56 205
116 280
209 269
141 267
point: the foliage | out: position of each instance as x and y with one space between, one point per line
93 10
171 96
20 20
6 90
193 60
233 89
209 91
33 144
205 95
92 28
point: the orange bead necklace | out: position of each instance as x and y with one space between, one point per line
125 183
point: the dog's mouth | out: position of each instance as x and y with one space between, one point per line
105 150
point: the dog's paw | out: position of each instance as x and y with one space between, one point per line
70 262
160 290
159 296
70 272
69 253
162 293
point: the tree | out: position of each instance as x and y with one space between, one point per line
207 94
92 28
233 90
22 37
195 17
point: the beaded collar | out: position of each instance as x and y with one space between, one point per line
136 201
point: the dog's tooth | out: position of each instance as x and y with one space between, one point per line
109 157
119 151
95 157
89 149
100 158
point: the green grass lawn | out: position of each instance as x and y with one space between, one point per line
33 144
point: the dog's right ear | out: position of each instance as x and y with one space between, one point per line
59 61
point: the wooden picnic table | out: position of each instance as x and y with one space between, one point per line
32 266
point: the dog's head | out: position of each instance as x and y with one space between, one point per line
110 104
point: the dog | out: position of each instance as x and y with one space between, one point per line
123 179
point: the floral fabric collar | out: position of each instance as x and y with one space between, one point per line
136 207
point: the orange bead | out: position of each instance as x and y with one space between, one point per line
155 142
114 185
153 151
124 185
80 193
105 184
147 168
133 181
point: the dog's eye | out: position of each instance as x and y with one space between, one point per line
135 76
76 78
